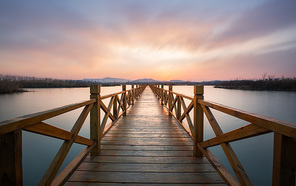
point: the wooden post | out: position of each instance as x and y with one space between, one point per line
284 160
133 94
124 99
11 170
95 119
115 113
162 92
170 99
178 114
198 119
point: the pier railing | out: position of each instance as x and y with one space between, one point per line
11 134
284 155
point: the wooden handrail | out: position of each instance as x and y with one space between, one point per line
26 120
284 132
11 134
275 125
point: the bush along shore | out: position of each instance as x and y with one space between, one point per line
272 84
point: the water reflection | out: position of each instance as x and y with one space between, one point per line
255 154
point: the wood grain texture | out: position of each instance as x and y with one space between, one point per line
146 147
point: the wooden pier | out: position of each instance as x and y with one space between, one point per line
146 147
146 136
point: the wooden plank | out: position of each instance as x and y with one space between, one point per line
73 165
107 115
151 130
282 127
63 151
146 160
145 142
221 170
126 167
160 140
139 132
106 110
109 126
147 148
145 135
134 184
11 170
24 121
231 156
127 177
248 131
52 131
185 114
112 95
146 153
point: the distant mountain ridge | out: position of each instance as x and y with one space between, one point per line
110 80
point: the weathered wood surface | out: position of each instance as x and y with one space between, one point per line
146 147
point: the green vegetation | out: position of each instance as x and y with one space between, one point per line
273 84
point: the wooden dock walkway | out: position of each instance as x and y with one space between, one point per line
146 147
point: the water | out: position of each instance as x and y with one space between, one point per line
255 153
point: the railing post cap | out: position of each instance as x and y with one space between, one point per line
198 89
95 89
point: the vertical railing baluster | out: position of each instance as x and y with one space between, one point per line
95 119
198 119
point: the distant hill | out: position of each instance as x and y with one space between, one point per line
145 80
107 80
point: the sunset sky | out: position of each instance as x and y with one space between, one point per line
161 39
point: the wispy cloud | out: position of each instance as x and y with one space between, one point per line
134 39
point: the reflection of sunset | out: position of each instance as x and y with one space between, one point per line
160 40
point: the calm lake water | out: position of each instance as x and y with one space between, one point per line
255 153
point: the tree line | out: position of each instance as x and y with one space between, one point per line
270 83
9 83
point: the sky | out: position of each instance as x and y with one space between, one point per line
192 40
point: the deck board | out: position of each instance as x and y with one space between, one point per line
145 147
